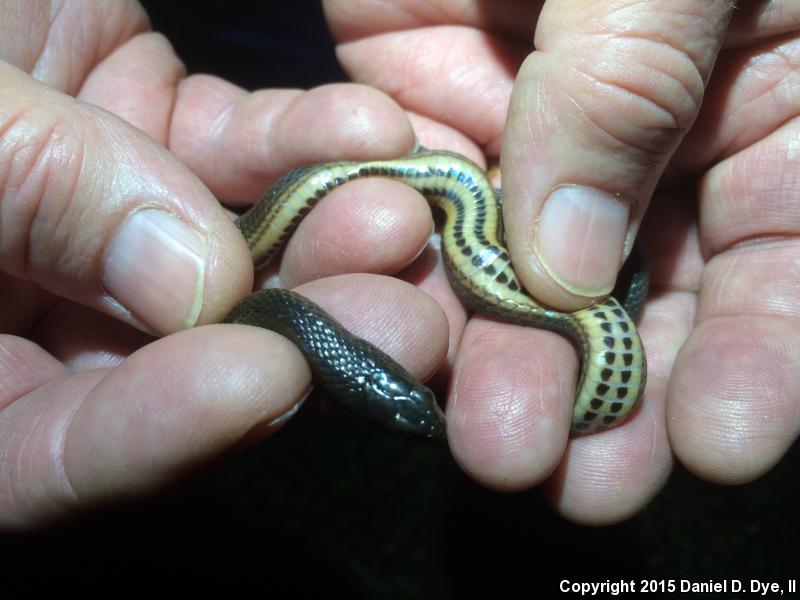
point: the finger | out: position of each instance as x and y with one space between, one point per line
744 416
670 243
509 406
24 367
599 479
467 87
367 226
138 83
107 434
733 408
238 143
752 92
82 339
754 21
607 478
350 20
391 314
596 113
428 274
475 48
436 135
59 44
94 211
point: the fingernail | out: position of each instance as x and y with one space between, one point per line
580 239
155 267
280 420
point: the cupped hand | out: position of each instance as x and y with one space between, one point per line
111 161
603 119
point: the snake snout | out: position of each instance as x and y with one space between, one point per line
427 418
410 406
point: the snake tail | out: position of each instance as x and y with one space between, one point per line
613 369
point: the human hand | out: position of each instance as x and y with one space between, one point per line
105 234
610 102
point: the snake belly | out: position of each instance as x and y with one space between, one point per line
613 365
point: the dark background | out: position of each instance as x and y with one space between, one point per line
336 506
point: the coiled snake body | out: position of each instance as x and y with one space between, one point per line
352 371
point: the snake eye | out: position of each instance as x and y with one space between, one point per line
388 387
410 406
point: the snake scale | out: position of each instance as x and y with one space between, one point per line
366 380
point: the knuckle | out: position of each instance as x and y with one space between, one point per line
639 95
40 163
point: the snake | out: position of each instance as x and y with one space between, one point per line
365 380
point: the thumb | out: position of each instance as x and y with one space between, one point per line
93 210
596 113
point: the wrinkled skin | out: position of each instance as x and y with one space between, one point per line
93 409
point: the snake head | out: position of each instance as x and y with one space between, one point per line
403 404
